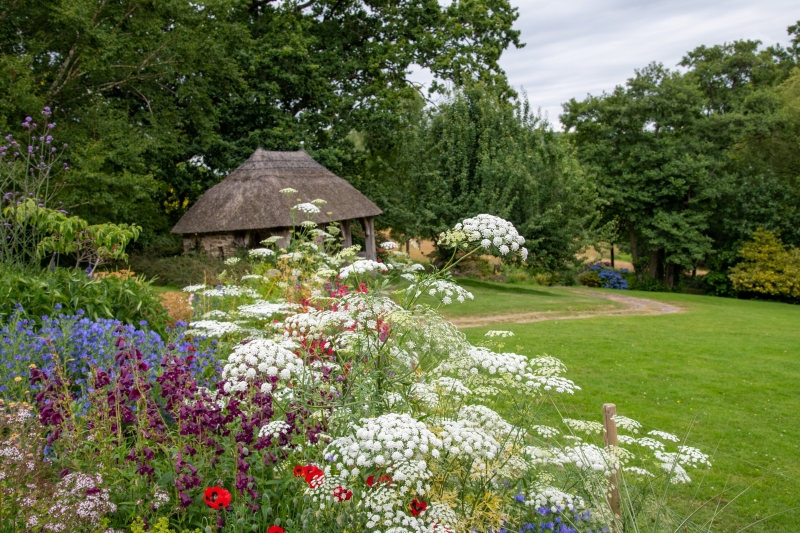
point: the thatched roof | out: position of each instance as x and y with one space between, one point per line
248 197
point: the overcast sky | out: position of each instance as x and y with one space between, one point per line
576 47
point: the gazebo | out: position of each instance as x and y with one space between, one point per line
247 206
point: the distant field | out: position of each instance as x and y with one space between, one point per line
730 367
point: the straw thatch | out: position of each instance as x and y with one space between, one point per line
249 198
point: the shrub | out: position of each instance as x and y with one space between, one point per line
130 300
546 279
181 270
602 275
718 284
768 267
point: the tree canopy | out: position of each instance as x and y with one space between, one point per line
682 160
160 98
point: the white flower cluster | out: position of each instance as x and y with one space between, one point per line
545 431
232 261
445 290
263 310
664 435
495 232
80 500
385 442
362 266
508 371
498 333
628 424
591 457
389 245
194 288
466 438
261 253
554 500
307 207
452 387
214 328
489 420
585 426
274 429
259 358
231 290
160 498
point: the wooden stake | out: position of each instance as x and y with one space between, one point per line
610 438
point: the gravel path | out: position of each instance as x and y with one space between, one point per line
631 306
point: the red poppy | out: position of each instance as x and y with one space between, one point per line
299 471
275 529
341 494
217 497
314 476
418 507
371 481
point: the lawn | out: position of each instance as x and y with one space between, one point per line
497 299
727 369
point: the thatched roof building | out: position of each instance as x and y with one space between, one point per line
247 207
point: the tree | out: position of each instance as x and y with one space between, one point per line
669 154
161 98
480 152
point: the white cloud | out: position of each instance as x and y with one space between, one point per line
577 47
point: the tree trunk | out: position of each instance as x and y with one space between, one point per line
669 275
634 249
655 263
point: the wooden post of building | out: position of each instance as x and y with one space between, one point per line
369 238
610 438
347 236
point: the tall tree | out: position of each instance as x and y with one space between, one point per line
479 152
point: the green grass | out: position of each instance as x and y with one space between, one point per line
727 369
493 299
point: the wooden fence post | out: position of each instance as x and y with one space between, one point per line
610 438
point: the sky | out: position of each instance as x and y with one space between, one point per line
579 47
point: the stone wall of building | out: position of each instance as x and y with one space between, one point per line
219 245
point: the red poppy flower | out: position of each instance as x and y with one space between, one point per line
417 507
275 529
299 471
217 497
314 476
341 494
371 481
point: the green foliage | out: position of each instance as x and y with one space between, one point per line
128 300
62 234
182 270
690 163
590 278
163 97
647 284
768 267
481 153
718 284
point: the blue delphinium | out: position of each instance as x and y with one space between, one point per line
83 344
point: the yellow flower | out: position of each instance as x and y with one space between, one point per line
31 366
17 379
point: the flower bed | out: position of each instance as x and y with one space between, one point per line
341 404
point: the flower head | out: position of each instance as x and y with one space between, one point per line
216 497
